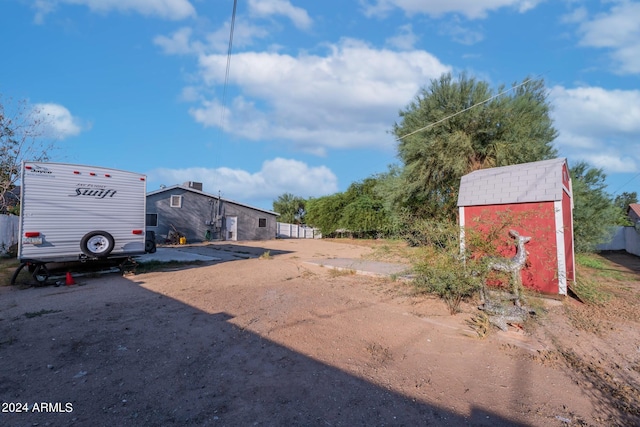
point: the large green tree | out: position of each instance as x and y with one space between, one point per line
325 212
291 208
594 212
359 211
456 126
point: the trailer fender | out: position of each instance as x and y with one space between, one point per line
98 244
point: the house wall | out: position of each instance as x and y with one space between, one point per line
536 220
197 211
248 224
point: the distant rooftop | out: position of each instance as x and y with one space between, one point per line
189 186
634 211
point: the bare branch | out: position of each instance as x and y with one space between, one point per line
22 137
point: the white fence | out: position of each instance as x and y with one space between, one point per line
624 238
295 231
8 232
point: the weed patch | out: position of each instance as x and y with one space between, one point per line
590 291
338 272
480 324
7 267
379 354
598 267
32 314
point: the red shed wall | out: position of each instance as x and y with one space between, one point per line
536 220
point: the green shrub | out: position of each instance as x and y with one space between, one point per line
442 270
446 275
589 291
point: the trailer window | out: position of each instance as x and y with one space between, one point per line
152 220
176 201
262 222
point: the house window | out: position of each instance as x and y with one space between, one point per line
152 220
262 222
176 201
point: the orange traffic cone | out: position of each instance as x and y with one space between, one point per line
70 280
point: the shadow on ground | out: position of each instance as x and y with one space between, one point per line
141 358
624 259
167 257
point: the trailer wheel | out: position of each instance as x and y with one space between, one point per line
150 246
97 244
40 274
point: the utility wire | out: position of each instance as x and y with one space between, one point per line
626 183
468 108
226 75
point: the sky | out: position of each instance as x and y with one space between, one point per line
306 101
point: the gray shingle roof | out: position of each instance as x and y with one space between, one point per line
523 183
213 196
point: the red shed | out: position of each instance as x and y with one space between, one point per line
536 199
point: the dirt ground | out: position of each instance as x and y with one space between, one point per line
272 340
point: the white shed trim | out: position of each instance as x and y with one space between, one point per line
562 265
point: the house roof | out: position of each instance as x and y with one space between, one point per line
635 208
522 183
202 193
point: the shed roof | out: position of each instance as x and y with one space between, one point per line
193 190
523 183
634 211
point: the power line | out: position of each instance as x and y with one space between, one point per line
625 184
226 75
468 108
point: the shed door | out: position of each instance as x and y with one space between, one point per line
232 228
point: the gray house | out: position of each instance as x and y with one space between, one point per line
200 216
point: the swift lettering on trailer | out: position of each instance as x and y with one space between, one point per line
96 193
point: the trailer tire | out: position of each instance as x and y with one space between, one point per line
97 244
40 274
150 246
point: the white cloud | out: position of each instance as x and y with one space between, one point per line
460 33
614 162
472 9
267 8
576 16
57 121
167 9
404 40
276 177
598 125
348 98
183 41
178 43
619 31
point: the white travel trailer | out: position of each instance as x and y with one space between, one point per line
79 213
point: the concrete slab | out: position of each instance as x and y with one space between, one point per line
175 254
365 267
